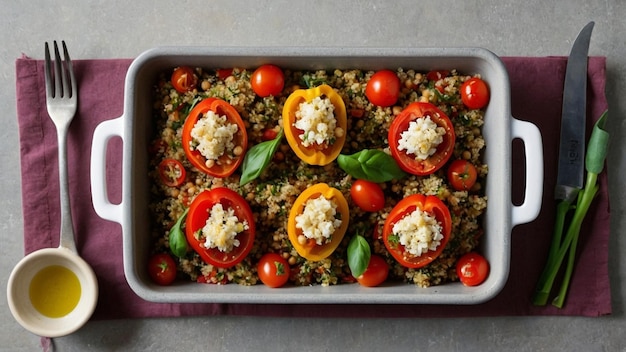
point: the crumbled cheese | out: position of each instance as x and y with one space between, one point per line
317 121
419 232
318 220
421 138
213 135
221 229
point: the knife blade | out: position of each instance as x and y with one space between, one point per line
572 139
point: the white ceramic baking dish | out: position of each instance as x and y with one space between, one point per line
134 128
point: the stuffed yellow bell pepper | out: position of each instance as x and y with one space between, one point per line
315 123
317 222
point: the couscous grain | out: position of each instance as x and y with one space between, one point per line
272 195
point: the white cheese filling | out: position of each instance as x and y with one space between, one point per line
318 220
419 232
222 228
421 138
212 135
317 121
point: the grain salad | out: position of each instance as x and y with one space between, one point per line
272 195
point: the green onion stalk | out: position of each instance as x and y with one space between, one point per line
562 246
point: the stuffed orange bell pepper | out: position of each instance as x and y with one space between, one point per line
317 222
315 123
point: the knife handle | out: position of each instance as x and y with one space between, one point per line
533 149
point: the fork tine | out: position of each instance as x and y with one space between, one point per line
49 82
58 73
68 61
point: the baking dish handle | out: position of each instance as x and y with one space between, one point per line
533 148
101 203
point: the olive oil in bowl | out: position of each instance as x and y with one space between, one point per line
52 292
55 291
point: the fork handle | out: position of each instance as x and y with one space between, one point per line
67 227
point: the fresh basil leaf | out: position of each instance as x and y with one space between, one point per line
359 254
178 240
258 158
372 165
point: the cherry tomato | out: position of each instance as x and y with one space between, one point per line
269 134
436 75
273 270
228 162
162 269
429 204
475 93
367 195
198 215
267 80
472 269
376 272
383 88
444 150
184 79
172 172
462 175
223 73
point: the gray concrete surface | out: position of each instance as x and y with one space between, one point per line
112 29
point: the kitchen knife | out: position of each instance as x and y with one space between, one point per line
571 164
572 141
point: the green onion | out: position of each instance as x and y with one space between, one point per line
594 164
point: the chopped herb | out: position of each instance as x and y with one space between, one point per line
394 239
311 82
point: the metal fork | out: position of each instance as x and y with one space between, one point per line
61 102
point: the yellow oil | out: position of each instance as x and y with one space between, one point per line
55 291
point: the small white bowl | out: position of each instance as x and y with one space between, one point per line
19 298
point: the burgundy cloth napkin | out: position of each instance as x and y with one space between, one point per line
536 90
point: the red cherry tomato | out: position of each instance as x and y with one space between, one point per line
269 134
472 269
223 73
462 175
429 204
376 272
267 80
184 79
198 215
273 270
401 123
172 172
383 88
436 75
367 195
475 93
162 269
